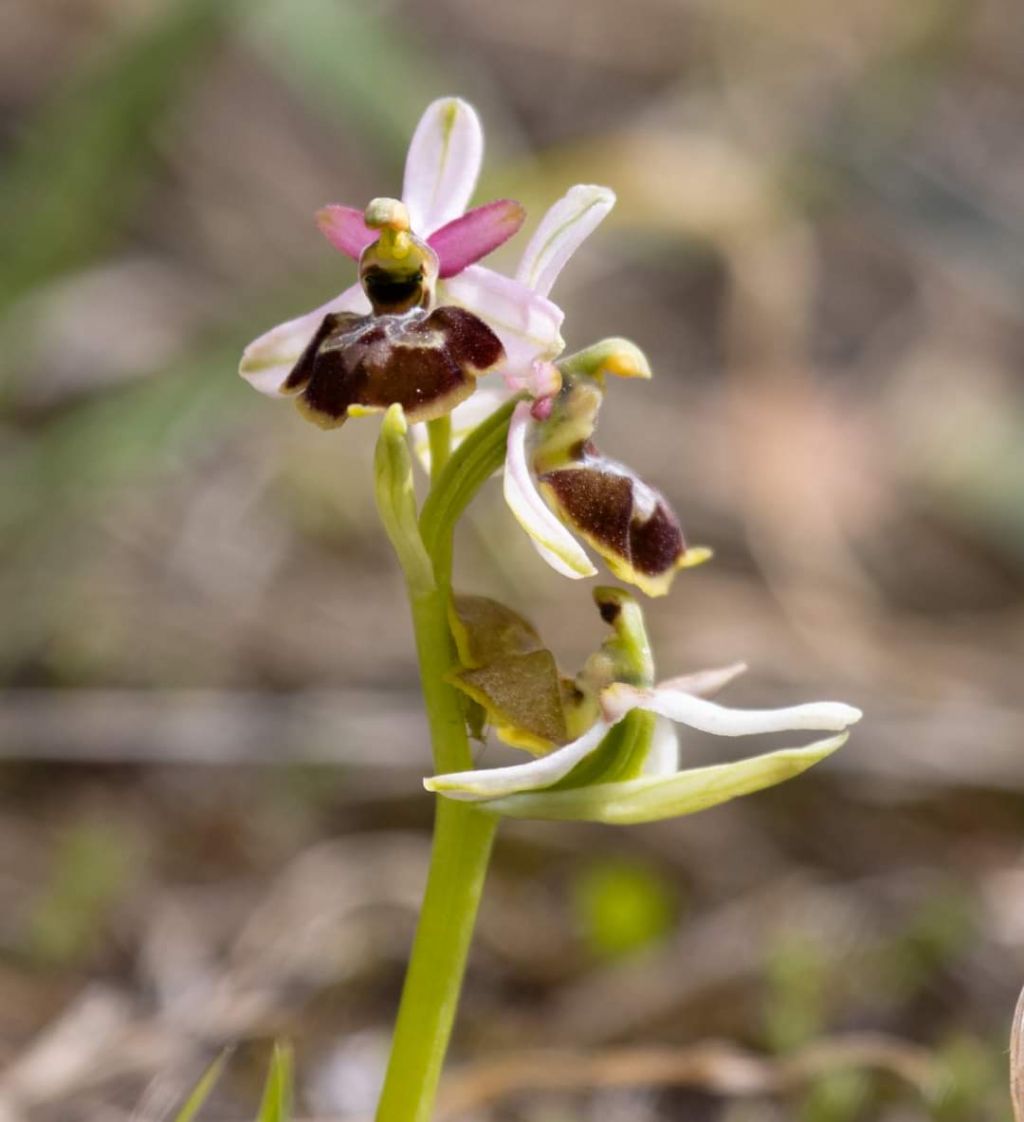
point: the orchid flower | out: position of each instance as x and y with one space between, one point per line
442 167
625 767
556 481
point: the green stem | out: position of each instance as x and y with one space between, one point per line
461 850
458 865
446 717
463 835
439 432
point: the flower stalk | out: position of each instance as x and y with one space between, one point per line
458 865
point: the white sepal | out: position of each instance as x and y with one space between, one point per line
492 783
550 538
268 360
707 716
561 232
442 164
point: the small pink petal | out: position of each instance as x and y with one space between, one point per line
443 164
476 233
344 228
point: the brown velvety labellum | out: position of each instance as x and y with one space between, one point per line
425 362
600 501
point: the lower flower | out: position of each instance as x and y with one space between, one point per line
625 767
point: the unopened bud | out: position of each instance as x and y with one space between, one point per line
611 356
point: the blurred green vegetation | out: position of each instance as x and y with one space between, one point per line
90 873
623 907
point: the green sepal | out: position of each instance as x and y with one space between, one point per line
618 758
655 798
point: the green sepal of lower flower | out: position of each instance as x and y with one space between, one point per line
396 500
650 799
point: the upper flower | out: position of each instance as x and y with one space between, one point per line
441 170
403 353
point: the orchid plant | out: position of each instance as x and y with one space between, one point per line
473 360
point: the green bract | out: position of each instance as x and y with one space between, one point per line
652 798
396 499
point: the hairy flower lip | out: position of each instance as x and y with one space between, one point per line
556 475
425 362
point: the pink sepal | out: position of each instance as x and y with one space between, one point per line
344 228
473 235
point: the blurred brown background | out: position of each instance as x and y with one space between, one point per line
212 825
